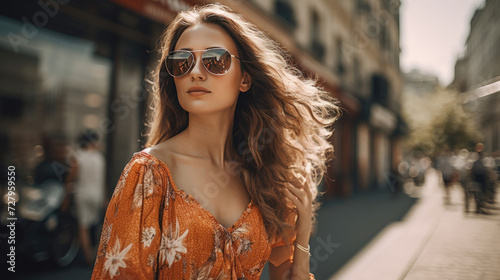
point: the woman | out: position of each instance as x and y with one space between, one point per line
236 148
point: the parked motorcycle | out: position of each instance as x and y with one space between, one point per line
43 231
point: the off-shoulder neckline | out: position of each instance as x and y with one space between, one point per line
183 194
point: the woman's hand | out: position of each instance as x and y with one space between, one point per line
299 192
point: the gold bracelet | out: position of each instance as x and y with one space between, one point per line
304 249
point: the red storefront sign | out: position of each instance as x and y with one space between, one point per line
159 10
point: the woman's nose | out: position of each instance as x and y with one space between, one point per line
198 71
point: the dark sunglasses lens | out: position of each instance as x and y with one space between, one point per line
217 61
179 63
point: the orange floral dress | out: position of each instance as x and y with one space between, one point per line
153 230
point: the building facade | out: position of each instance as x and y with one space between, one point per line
477 72
418 82
357 43
82 64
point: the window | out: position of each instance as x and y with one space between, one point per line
358 79
317 47
380 89
284 10
383 37
340 59
362 6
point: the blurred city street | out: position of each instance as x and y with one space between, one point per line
434 241
420 103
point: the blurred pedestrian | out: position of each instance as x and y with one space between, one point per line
496 158
480 175
463 164
88 188
448 173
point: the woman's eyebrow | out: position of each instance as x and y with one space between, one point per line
190 49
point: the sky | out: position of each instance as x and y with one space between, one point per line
433 34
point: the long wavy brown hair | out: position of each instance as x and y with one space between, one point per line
281 124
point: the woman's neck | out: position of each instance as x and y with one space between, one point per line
210 137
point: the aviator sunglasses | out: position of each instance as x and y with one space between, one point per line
216 61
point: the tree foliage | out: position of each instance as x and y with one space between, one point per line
438 119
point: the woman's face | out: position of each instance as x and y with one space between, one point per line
224 89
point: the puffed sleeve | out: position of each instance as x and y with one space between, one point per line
282 247
131 231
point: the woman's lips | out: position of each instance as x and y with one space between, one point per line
197 91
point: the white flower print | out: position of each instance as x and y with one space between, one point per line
151 260
126 171
168 194
239 232
145 189
203 272
148 234
123 177
137 200
217 242
148 183
257 268
120 184
244 246
172 245
241 235
115 259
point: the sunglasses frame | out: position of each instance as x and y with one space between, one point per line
191 52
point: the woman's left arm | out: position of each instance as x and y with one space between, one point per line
300 194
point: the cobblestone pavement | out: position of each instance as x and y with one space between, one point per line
434 241
463 246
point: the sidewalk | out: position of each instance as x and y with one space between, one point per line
432 242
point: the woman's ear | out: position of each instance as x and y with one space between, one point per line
246 82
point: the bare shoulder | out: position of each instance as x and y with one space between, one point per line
164 151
